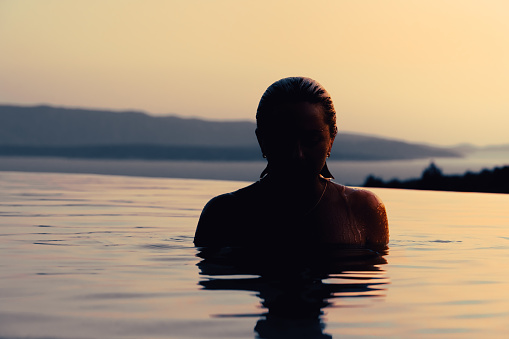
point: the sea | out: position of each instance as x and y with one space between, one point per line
86 255
346 172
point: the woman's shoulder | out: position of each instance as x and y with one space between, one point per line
369 210
227 201
222 214
360 197
224 200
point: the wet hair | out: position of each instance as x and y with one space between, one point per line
293 90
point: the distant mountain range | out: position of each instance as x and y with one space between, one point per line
82 133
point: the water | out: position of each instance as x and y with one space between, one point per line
93 256
348 172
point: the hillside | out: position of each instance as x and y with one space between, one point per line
51 131
495 180
51 126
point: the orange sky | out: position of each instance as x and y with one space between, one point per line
431 71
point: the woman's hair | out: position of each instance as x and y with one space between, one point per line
293 90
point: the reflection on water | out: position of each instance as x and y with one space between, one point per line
294 285
91 256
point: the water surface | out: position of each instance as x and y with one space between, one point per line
347 172
94 256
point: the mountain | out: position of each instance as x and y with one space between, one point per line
469 149
51 126
69 132
351 146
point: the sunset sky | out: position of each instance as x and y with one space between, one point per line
434 71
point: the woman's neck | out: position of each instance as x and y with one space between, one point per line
294 189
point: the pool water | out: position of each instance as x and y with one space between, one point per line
93 256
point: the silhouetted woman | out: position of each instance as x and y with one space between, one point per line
294 202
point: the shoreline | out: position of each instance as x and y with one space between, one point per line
244 171
353 173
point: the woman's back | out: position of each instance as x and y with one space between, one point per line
260 214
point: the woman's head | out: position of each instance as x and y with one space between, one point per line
296 126
294 90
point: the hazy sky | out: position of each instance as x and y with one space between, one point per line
433 71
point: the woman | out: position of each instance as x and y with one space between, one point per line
294 202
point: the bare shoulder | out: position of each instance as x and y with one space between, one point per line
220 216
225 204
362 198
370 211
219 204
213 221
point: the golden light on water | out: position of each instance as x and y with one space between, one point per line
107 255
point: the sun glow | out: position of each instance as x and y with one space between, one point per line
430 71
